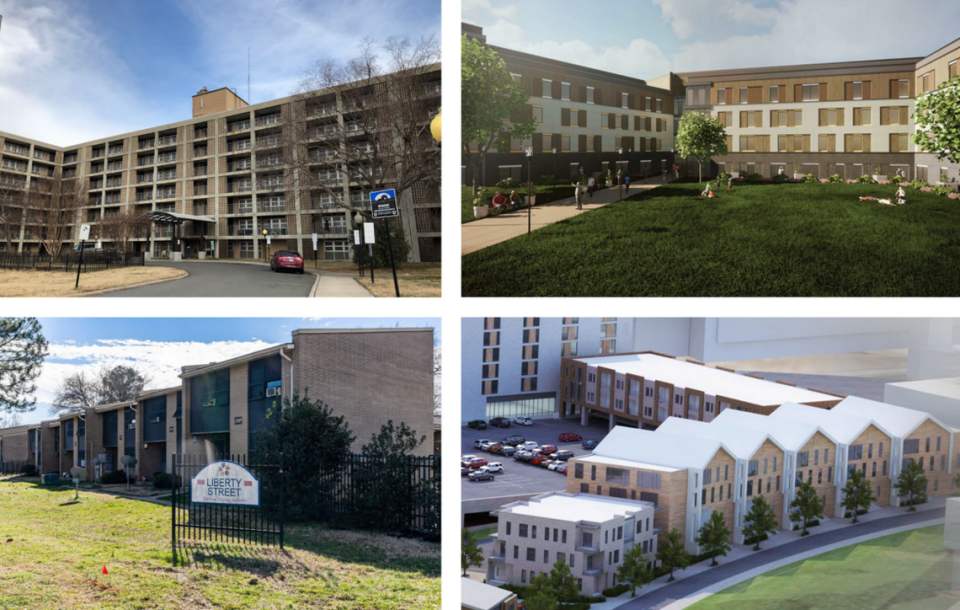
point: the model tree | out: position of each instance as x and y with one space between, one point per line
563 583
470 553
857 494
540 597
806 506
912 485
672 554
701 137
492 104
634 569
759 521
937 116
714 537
22 350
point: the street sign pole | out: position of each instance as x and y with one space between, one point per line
79 260
356 242
396 286
369 237
384 206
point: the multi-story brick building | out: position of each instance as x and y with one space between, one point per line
590 533
215 182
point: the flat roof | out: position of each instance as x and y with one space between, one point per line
481 596
842 427
213 366
840 68
948 387
711 380
154 393
791 435
576 507
674 450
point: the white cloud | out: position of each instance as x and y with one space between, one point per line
714 18
476 11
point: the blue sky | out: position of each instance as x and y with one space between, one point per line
646 38
75 70
160 346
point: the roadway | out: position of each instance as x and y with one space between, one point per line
213 279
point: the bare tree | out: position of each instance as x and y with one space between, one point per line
51 206
79 391
11 215
11 420
368 119
126 226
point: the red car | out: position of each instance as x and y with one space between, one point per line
539 458
547 449
570 437
286 259
477 463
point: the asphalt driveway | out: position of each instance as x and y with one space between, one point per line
212 279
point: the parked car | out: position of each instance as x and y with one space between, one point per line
480 475
480 441
555 465
466 459
477 424
545 461
570 437
486 446
477 462
563 454
495 448
464 471
514 440
507 450
589 444
494 467
524 456
562 468
523 421
529 446
548 449
286 259
500 422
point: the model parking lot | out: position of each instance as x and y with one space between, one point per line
520 480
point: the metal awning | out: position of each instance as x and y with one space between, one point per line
173 218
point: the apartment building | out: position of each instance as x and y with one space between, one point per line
215 182
592 534
18 446
686 478
848 118
645 389
586 119
479 596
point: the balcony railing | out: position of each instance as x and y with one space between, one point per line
96 184
165 140
270 162
239 187
17 150
274 229
99 153
113 182
96 169
273 206
199 191
166 157
70 159
143 179
326 130
70 173
12 181
35 171
115 150
352 127
325 153
166 194
167 176
270 119
238 145
200 171
113 199
200 152
14 165
239 166
144 161
267 141
335 230
200 133
145 196
325 109
145 144
270 184
238 126
114 166
240 230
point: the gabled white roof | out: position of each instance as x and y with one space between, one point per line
791 435
842 427
899 421
744 443
480 596
712 381
672 450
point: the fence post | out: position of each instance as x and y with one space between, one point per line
173 511
282 486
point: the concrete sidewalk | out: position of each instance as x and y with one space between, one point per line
339 285
489 231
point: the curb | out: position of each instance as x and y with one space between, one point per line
186 274
316 284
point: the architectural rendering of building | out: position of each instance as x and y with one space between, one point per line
591 534
218 184
479 596
369 376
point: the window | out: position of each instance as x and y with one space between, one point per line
721 97
862 116
743 95
648 480
624 100
858 90
898 142
531 554
748 143
659 105
590 91
578 471
803 459
811 93
565 91
911 446
538 114
490 371
952 70
753 468
774 94
547 88
901 88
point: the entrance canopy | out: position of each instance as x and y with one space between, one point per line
173 218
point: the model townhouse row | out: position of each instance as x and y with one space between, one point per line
849 118
368 375
216 182
690 468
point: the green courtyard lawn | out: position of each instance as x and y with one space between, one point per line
906 571
545 194
51 549
759 240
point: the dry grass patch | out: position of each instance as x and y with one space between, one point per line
60 284
416 280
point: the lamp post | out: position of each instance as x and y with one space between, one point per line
529 152
435 127
620 171
554 164
265 244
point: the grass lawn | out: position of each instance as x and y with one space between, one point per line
759 240
416 280
906 571
51 549
545 194
60 284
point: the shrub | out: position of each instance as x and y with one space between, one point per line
941 189
918 184
547 180
754 178
898 180
836 179
163 480
723 177
509 183
865 179
753 541
114 477
848 515
617 590
578 178
780 179
29 470
811 179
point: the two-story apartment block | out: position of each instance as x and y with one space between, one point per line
644 389
588 121
219 183
592 534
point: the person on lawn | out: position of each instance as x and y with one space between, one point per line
578 196
707 192
515 200
591 186
901 195
730 183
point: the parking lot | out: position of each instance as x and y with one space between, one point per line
519 480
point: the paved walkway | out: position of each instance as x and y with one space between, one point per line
340 285
489 231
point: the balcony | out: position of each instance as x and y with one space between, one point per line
14 165
200 133
270 119
273 207
242 207
240 230
200 152
115 150
198 191
96 169
340 230
145 196
96 184
113 182
17 150
326 131
496 558
167 140
322 154
145 144
238 126
239 187
238 145
352 127
166 194
114 166
594 571
113 199
200 171
36 171
325 109
144 161
587 549
99 153
239 166
144 179
168 175
11 181
269 163
270 184
69 159
269 141
274 230
164 158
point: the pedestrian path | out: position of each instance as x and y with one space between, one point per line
487 232
340 285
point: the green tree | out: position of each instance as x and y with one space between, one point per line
385 475
671 552
392 441
471 555
22 350
316 447
912 485
490 96
541 599
759 521
806 506
381 249
563 583
857 494
634 569
937 116
702 137
956 480
714 537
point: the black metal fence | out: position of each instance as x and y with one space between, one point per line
395 494
67 261
12 467
215 523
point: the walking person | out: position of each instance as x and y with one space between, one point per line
626 183
676 172
591 186
664 175
578 196
619 177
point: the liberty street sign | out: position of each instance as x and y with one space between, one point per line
225 482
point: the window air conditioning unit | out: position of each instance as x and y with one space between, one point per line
273 392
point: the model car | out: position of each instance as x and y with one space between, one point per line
477 424
548 449
480 475
495 447
545 461
523 421
555 464
480 441
524 456
589 444
464 471
570 437
507 450
494 467
486 446
477 463
563 454
529 446
514 440
500 422
286 259
562 468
